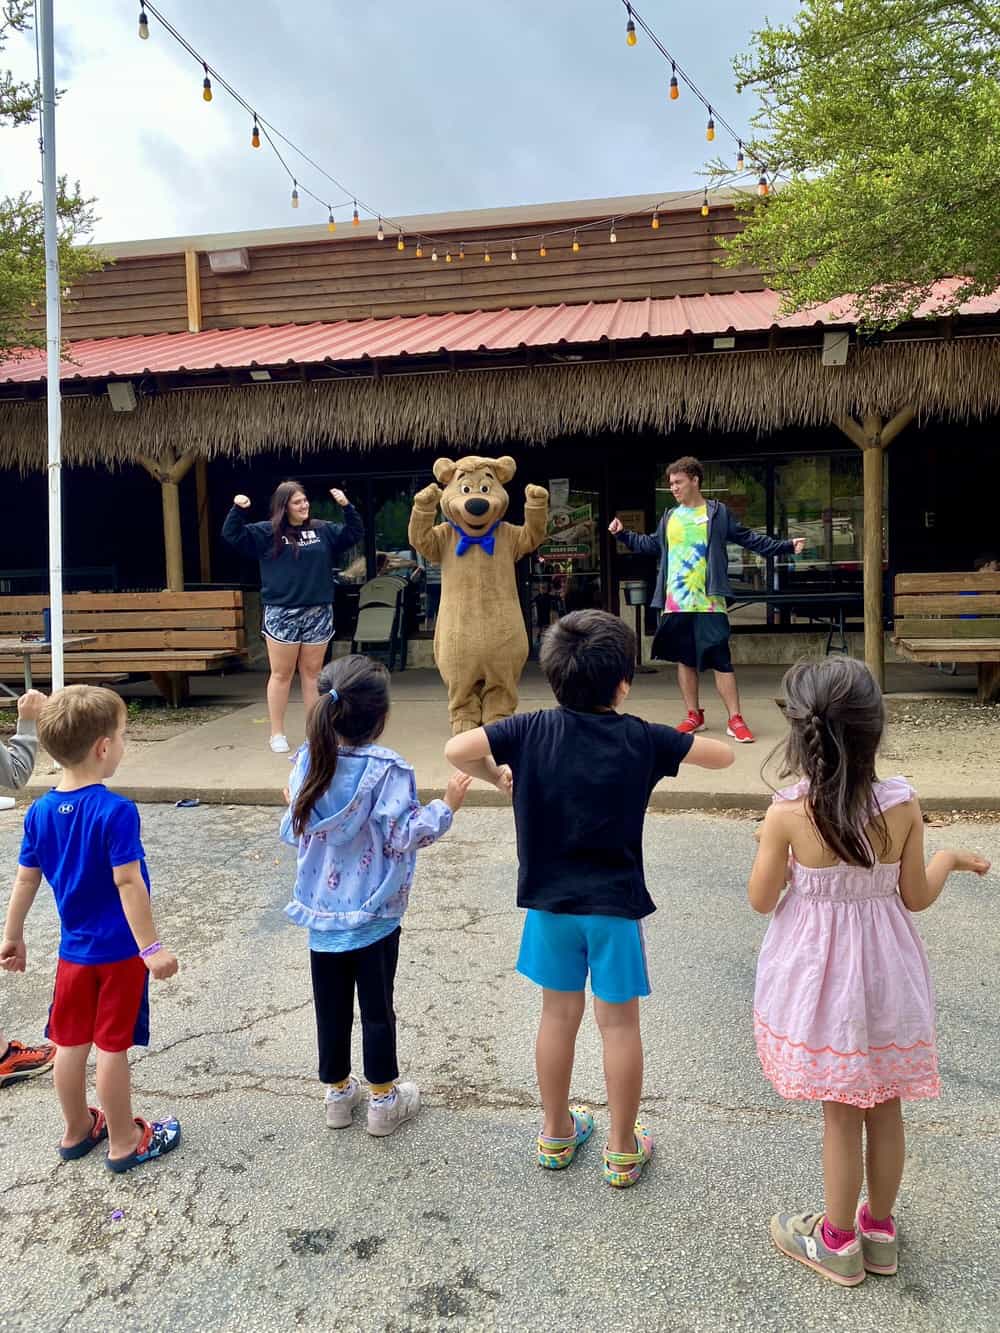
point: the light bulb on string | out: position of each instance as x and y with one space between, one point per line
400 243
675 89
576 244
461 250
295 194
542 251
447 258
614 235
487 258
654 221
739 157
206 84
355 220
380 234
434 256
630 37
762 186
513 254
143 24
255 134
710 127
420 249
331 224
704 205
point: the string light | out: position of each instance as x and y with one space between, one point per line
355 220
704 204
400 243
675 90
542 252
420 249
255 134
513 254
739 157
654 221
614 235
295 194
630 28
331 224
143 24
206 84
762 186
461 250
576 243
486 257
710 127
447 258
434 256
380 234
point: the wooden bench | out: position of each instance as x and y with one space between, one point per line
951 618
164 635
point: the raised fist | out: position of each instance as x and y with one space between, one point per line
241 501
339 498
30 705
536 494
429 497
616 526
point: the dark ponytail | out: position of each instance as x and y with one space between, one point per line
836 718
355 712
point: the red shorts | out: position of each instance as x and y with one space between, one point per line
103 1003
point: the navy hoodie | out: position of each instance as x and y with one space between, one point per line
302 572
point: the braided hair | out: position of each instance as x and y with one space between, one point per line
353 706
836 718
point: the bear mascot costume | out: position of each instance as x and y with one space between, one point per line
480 643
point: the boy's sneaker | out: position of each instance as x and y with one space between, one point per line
340 1105
157 1138
695 721
22 1062
879 1248
800 1236
739 730
279 744
386 1114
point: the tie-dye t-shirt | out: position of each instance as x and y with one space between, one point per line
687 562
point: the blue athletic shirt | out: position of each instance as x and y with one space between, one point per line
76 838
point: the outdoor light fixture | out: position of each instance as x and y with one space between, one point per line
576 244
447 258
630 27
675 91
654 221
434 256
724 344
704 205
400 243
122 395
542 252
710 127
420 249
255 134
739 157
206 84
229 261
487 258
143 25
835 348
355 220
513 254
380 234
762 186
614 235
261 376
295 194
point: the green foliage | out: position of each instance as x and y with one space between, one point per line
22 233
879 119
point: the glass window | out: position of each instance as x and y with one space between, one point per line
820 497
350 564
566 568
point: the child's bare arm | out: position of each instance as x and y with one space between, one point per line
707 753
13 954
921 885
770 868
470 753
139 915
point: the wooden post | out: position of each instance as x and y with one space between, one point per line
193 281
871 438
204 537
170 472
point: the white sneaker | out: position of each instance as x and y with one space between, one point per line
389 1114
279 744
340 1105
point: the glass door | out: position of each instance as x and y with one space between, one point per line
565 572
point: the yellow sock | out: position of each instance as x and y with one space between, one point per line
342 1086
381 1089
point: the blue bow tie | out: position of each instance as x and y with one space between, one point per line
487 541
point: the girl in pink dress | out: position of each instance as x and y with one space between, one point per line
843 1005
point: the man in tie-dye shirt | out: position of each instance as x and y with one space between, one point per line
692 585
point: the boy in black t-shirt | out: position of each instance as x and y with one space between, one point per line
582 776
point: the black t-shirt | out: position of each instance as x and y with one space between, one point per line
581 786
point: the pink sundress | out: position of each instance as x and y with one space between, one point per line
844 1005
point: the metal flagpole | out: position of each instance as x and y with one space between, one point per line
53 336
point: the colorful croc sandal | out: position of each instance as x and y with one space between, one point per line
622 1169
98 1133
160 1137
556 1154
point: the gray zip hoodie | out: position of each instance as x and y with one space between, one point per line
17 757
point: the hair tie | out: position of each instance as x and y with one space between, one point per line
334 695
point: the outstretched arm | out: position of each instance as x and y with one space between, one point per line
921 885
639 543
424 537
759 542
530 535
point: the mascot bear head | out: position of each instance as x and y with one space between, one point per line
474 499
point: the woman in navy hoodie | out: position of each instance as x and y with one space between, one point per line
296 555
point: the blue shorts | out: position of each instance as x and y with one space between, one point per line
558 949
299 624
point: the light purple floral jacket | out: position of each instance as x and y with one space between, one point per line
356 858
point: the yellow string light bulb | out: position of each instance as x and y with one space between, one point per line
255 134
420 249
380 234
513 254
400 243
461 250
762 186
704 205
654 221
355 220
675 89
447 258
206 84
434 256
331 224
630 27
576 244
614 235
710 127
295 194
143 25
487 258
739 158
542 252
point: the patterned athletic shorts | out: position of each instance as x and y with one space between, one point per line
298 624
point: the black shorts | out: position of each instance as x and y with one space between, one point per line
697 639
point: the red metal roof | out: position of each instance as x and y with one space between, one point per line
415 335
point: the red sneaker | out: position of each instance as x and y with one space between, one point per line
21 1062
695 721
739 730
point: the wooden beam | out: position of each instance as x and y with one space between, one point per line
872 559
192 278
898 423
852 430
204 536
169 472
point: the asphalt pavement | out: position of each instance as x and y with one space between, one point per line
264 1219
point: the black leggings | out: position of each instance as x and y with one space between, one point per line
334 977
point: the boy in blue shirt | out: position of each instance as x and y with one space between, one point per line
582 778
85 840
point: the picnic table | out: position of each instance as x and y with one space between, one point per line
28 648
826 609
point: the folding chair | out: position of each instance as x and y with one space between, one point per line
380 619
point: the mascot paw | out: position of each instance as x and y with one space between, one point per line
536 494
429 497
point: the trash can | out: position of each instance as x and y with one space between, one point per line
635 591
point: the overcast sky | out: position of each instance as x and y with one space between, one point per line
427 108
